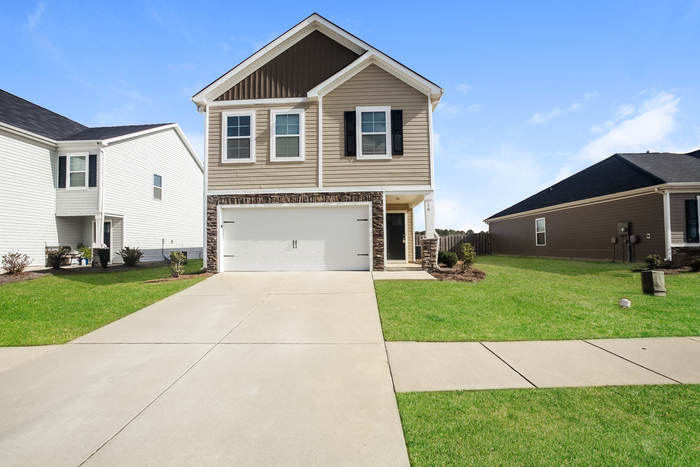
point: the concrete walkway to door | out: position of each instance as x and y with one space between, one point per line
240 369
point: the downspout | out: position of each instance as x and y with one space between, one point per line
205 111
667 225
320 141
100 218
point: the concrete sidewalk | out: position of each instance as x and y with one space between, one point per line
446 366
259 369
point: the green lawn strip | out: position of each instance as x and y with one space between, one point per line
538 299
57 309
604 426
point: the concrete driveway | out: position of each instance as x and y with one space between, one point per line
240 369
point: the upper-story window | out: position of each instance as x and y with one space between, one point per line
287 135
157 187
238 137
540 232
77 170
373 132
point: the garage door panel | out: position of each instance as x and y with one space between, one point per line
295 238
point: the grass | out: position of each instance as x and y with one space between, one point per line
538 299
60 308
609 426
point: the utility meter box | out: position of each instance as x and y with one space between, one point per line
623 228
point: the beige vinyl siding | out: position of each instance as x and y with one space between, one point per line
409 225
375 87
263 174
678 233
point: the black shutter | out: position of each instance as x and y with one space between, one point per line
62 171
691 221
397 132
350 135
92 176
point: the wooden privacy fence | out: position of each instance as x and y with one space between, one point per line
480 241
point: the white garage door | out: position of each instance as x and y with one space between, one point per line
327 238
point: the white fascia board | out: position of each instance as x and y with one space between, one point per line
583 202
418 189
190 149
116 139
28 134
254 102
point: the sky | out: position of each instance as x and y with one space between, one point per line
534 91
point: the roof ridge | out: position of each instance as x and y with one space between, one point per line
644 172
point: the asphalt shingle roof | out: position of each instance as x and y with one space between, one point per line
107 132
25 115
616 174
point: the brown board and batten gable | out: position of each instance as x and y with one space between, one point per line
295 71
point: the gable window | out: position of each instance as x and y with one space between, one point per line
157 187
287 135
77 170
540 232
238 137
692 234
373 132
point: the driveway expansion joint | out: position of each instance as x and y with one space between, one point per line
509 365
632 362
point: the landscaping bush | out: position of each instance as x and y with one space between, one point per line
85 252
14 263
653 261
695 265
466 255
449 259
131 256
103 254
177 262
56 258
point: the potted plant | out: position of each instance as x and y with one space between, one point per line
653 281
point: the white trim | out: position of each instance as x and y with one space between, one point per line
405 234
384 225
430 145
224 138
320 142
686 245
387 132
102 238
667 225
86 155
254 102
159 187
205 174
544 231
28 134
273 135
418 189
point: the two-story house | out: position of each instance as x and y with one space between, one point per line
65 184
318 149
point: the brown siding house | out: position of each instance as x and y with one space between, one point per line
657 195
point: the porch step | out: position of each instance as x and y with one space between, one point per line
403 267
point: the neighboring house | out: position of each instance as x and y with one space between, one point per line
656 194
318 149
65 183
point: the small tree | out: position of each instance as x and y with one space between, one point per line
131 256
55 258
177 263
14 263
447 258
653 261
466 255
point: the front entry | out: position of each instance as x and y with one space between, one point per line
107 236
396 236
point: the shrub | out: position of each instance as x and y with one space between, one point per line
131 256
85 252
103 254
466 255
653 261
449 259
695 265
14 263
177 263
56 258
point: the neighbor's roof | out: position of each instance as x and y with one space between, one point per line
22 114
616 174
108 132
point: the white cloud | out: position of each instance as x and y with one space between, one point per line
647 129
34 18
463 89
474 108
544 118
539 118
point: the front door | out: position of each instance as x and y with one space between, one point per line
108 238
396 236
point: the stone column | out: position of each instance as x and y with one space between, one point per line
429 253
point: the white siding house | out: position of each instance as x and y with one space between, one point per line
66 184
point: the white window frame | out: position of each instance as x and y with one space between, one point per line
224 137
154 187
541 232
86 155
358 131
273 135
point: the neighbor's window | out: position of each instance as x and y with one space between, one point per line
238 137
77 171
373 133
691 221
540 232
287 130
157 187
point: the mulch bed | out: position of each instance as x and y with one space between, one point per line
454 275
25 276
669 271
180 278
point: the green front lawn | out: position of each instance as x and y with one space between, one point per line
609 426
60 308
538 299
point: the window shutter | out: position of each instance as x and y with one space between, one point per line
691 221
397 132
350 135
92 176
62 171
